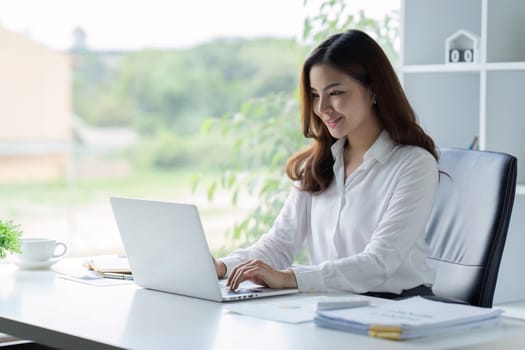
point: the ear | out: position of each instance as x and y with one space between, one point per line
372 97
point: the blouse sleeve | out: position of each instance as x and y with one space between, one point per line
283 241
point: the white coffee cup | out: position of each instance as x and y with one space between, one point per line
40 249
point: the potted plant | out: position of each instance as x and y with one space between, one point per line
9 238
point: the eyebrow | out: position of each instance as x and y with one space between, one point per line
327 87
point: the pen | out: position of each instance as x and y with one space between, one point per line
119 276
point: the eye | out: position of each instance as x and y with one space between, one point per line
315 95
336 92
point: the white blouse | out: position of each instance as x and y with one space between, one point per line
363 234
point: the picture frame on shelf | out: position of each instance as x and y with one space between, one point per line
462 47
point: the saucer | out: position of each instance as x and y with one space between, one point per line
35 265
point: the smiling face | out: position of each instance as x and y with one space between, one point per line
342 103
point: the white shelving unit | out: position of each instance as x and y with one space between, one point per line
485 99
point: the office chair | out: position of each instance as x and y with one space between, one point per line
469 222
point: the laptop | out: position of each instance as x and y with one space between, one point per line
167 251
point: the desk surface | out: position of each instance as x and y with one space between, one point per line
38 306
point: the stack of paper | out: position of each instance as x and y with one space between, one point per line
409 318
109 263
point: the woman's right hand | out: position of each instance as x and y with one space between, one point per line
220 268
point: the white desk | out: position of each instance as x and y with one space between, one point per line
66 314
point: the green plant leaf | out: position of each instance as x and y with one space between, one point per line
194 181
10 234
211 190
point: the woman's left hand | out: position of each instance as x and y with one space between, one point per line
259 272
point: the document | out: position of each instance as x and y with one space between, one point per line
295 308
409 318
282 309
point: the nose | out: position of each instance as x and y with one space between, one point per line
324 108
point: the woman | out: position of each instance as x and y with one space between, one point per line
364 188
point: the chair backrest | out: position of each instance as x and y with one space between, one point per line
469 222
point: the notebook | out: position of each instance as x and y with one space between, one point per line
167 251
109 263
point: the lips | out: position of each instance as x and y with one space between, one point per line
332 123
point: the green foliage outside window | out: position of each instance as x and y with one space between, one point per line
177 89
333 17
265 133
164 95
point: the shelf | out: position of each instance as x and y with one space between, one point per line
462 67
495 66
438 68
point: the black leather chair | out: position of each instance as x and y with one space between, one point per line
469 222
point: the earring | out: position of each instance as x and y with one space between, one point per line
374 101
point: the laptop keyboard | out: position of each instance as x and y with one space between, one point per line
226 291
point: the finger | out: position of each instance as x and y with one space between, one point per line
236 270
232 275
235 278
238 273
243 274
262 275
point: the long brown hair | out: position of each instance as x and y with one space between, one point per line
358 55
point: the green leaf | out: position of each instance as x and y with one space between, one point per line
236 232
194 181
206 125
211 190
231 181
235 197
10 234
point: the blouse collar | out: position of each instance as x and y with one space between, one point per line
380 149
